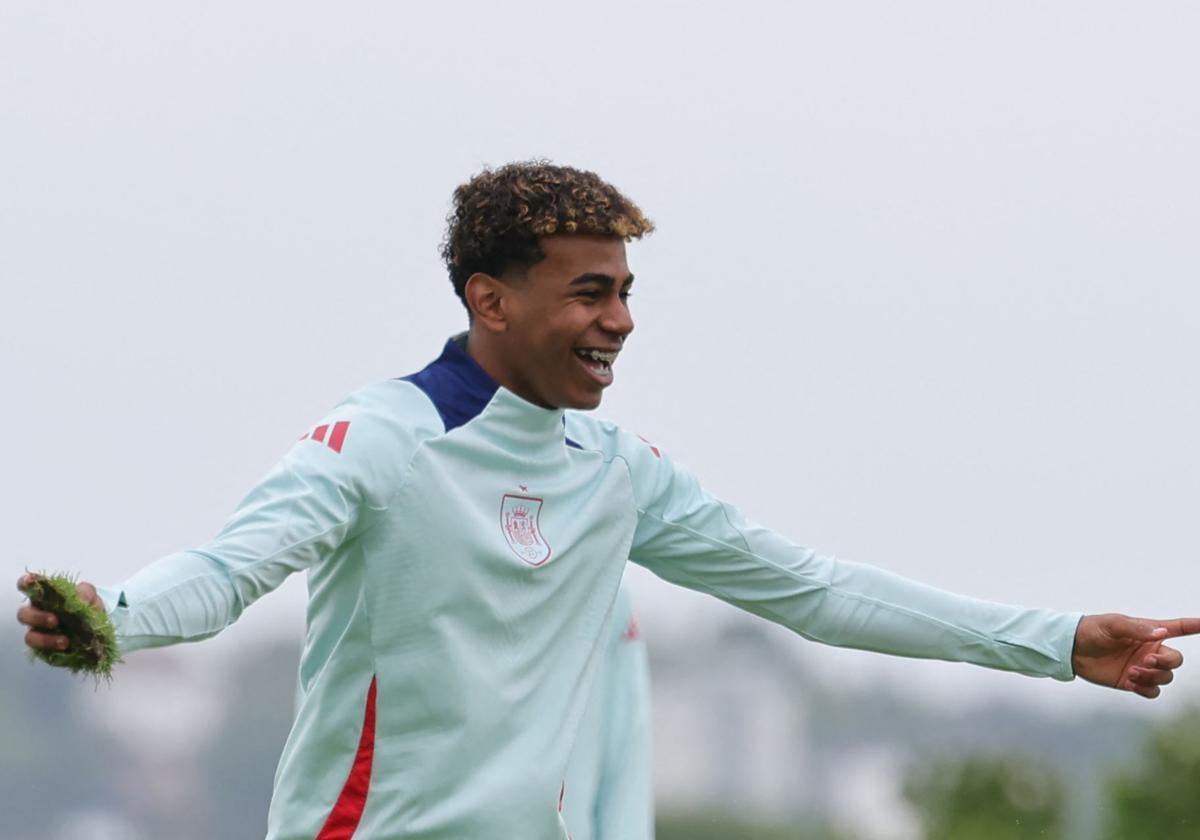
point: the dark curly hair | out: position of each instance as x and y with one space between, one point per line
499 214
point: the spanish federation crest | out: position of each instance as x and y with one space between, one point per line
519 522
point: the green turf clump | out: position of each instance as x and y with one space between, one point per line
92 640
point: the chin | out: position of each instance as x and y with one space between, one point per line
583 402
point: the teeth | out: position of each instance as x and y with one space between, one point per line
600 356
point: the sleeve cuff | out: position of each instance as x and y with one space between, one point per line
112 596
1067 649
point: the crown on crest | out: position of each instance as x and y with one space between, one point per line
521 511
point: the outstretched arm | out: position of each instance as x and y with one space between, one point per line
691 538
297 516
323 494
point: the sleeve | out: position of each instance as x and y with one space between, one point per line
625 794
319 496
690 538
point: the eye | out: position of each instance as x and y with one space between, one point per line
590 294
626 294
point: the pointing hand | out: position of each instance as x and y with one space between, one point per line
1128 653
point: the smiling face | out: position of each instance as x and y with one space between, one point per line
551 332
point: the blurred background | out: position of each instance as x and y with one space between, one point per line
923 294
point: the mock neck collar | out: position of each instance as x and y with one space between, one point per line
460 391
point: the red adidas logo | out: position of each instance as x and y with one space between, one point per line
337 436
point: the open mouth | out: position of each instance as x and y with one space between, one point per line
597 362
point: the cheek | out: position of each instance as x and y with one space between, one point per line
554 336
546 353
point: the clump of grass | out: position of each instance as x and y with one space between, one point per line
92 641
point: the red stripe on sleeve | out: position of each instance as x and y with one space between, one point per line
339 435
319 433
632 631
348 810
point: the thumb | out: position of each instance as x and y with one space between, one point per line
89 594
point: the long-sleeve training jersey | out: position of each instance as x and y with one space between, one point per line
463 549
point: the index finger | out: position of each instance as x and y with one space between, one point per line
1181 626
24 581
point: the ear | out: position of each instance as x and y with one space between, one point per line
485 298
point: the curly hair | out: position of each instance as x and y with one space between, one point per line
499 215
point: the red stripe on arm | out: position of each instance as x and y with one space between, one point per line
653 448
348 810
319 433
339 435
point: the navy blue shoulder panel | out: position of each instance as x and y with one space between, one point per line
455 383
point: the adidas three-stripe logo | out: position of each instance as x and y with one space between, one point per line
337 435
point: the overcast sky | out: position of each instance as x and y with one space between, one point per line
925 290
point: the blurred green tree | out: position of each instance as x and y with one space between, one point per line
718 826
988 798
1161 797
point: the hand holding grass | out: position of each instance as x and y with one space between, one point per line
68 625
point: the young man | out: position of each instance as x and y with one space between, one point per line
464 529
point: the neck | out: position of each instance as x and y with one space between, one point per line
482 347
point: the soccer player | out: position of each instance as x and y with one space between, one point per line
464 530
608 793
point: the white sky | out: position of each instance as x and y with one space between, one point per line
924 292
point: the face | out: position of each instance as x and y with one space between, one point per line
567 318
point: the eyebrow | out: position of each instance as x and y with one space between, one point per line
606 280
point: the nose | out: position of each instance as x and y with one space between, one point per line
616 318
